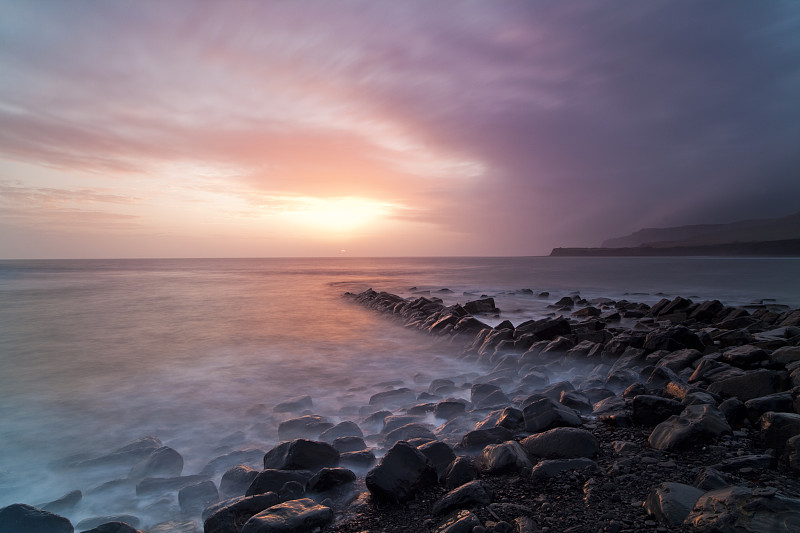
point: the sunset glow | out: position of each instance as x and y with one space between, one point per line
207 129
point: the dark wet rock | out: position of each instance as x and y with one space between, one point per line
670 503
555 390
482 437
292 490
777 428
635 390
710 370
468 495
358 460
546 414
375 421
486 395
330 478
553 467
222 463
734 411
559 345
408 432
545 329
294 516
236 480
562 443
652 410
113 527
751 384
301 454
461 470
447 410
129 454
621 378
342 429
21 518
707 311
746 356
196 497
153 485
660 377
785 355
614 411
95 521
673 339
294 405
678 360
485 305
793 453
233 514
65 503
507 457
162 462
460 522
304 427
710 479
742 509
779 402
392 422
511 418
439 454
272 480
751 462
349 444
400 473
697 424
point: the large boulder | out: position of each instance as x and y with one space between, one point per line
479 438
342 429
400 473
67 502
162 462
696 424
304 427
196 497
680 359
673 339
408 432
507 457
128 455
21 518
740 509
296 516
330 478
440 454
460 471
484 305
236 480
562 443
301 454
671 503
751 384
272 480
468 495
777 428
652 410
546 414
233 514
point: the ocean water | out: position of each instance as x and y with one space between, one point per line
97 353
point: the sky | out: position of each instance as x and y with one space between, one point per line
145 128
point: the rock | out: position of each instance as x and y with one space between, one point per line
507 457
392 422
461 522
129 454
485 305
301 454
304 427
545 414
486 395
176 526
342 429
400 473
545 329
710 479
460 471
562 443
511 418
408 432
777 428
95 521
614 411
251 456
734 411
330 478
779 402
576 400
678 360
746 510
753 462
793 452
481 437
751 384
236 480
294 516
292 490
65 503
113 527
746 356
154 485
21 518
711 370
358 460
673 339
697 424
294 405
162 462
272 480
349 444
785 355
439 454
447 410
194 498
652 410
553 467
467 495
671 503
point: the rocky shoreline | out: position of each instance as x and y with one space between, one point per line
608 416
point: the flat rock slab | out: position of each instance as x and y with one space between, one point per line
562 443
671 503
296 516
467 495
746 510
697 424
752 384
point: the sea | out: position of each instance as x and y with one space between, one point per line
197 352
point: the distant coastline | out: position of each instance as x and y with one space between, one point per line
780 248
